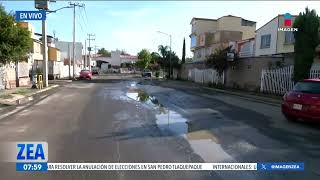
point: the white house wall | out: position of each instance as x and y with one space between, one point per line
270 28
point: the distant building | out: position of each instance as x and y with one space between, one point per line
116 59
66 52
210 34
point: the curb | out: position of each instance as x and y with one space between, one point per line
30 99
14 102
255 98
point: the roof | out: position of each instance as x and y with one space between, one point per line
207 19
236 17
204 19
38 34
273 19
129 57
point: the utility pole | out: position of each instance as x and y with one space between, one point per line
85 54
90 39
74 5
69 59
45 54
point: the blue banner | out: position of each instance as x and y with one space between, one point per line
31 167
30 15
280 166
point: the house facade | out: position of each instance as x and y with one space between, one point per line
116 59
271 40
210 34
66 51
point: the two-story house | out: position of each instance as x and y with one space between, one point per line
272 38
210 34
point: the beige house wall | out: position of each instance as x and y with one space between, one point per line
281 46
230 23
202 26
37 51
246 73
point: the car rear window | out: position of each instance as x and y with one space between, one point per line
307 87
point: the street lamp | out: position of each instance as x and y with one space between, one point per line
170 50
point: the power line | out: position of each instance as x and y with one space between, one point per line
83 20
85 13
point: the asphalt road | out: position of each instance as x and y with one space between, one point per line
129 120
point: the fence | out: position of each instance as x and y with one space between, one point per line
279 81
205 76
2 76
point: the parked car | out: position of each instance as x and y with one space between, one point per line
303 102
95 72
146 73
85 74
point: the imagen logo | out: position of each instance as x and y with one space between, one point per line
287 20
287 23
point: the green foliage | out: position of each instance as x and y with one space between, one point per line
183 59
189 60
164 60
15 41
218 60
123 52
144 57
104 53
157 74
306 40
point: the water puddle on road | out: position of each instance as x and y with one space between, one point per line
203 142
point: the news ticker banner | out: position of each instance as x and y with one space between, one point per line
269 166
33 156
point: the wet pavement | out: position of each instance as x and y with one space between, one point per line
129 120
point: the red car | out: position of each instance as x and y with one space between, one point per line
303 102
85 74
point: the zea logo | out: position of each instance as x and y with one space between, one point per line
31 156
28 155
32 151
287 23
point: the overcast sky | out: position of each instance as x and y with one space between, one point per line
132 25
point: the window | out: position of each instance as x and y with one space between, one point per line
193 41
307 87
288 37
265 41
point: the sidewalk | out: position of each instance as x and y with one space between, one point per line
19 95
248 95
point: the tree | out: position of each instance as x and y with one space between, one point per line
306 40
164 59
144 57
104 52
219 59
183 59
123 52
15 41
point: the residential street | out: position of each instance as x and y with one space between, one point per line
126 119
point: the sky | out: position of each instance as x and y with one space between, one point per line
133 25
